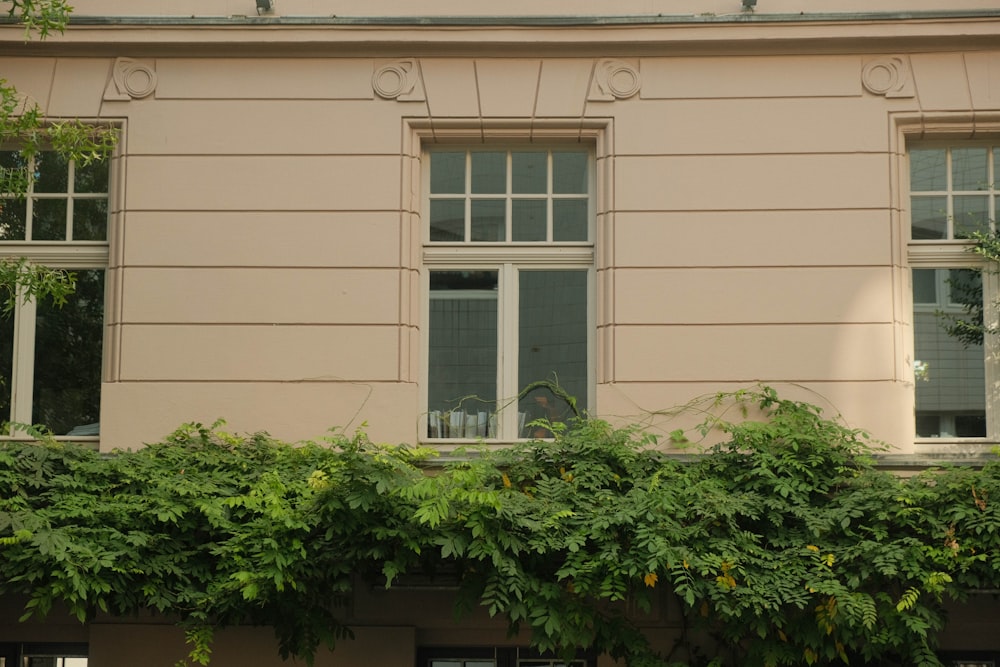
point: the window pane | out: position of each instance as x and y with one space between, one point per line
488 219
90 220
929 216
48 221
924 286
928 169
552 343
489 173
15 174
13 213
92 178
968 169
971 215
569 173
448 173
569 220
529 173
462 355
6 364
447 220
68 342
51 173
528 222
949 364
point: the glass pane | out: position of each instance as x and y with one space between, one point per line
971 215
488 219
928 169
924 286
462 354
447 220
528 220
569 220
489 173
569 173
6 364
90 220
529 173
48 221
92 178
929 217
552 344
968 169
68 343
13 213
51 172
447 173
949 365
14 174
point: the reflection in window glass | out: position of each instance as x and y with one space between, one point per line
968 169
489 219
928 169
448 172
528 220
552 343
489 173
462 355
952 191
68 341
949 366
529 172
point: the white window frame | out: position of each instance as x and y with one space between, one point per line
956 253
70 255
508 258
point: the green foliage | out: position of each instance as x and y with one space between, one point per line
782 545
21 279
40 17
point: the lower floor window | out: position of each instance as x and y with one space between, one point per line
50 361
507 345
43 655
496 657
950 353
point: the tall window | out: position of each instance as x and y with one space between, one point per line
953 197
509 257
50 356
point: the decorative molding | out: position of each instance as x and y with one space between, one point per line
614 80
398 80
130 80
889 76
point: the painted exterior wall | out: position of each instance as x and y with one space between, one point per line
266 231
268 212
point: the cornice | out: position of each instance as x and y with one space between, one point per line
619 36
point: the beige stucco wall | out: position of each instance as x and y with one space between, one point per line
265 245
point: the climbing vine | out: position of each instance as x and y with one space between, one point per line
782 545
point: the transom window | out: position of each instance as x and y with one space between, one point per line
509 262
50 356
953 191
953 197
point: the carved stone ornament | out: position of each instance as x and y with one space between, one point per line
130 80
889 76
614 80
398 80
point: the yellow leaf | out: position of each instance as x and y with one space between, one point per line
812 547
650 579
506 480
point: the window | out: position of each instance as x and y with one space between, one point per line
495 657
953 197
43 655
509 257
50 356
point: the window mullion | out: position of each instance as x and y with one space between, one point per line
23 370
507 364
991 350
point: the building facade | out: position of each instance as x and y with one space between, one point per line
323 214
